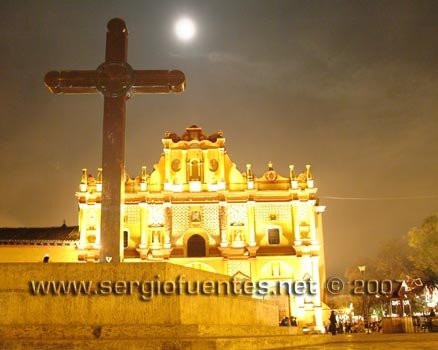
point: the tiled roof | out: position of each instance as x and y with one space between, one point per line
31 235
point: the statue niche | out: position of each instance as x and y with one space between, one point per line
195 169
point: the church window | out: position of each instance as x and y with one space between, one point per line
274 236
125 239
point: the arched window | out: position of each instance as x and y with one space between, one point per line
196 246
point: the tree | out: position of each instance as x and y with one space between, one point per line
391 261
414 255
424 244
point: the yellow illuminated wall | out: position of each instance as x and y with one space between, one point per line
196 201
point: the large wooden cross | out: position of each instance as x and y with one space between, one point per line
117 81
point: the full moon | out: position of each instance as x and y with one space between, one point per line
185 29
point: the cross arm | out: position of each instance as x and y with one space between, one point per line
158 81
71 82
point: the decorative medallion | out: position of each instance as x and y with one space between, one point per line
214 164
176 165
271 176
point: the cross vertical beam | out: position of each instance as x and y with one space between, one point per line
113 150
113 159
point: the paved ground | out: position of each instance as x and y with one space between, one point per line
377 341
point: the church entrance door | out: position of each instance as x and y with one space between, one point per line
196 246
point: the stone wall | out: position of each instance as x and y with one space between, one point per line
36 253
20 307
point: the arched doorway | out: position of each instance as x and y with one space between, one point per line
196 246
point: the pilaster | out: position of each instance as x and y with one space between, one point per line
143 225
167 185
251 223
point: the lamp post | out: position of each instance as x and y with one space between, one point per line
362 269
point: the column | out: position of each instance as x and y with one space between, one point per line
293 177
206 173
223 223
222 168
296 222
315 277
167 224
320 237
317 305
84 181
312 224
309 177
249 178
143 225
167 186
251 219
318 212
306 309
98 223
306 264
143 181
82 225
184 170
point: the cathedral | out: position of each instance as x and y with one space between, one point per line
196 208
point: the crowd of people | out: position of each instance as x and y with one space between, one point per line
424 323
335 326
352 327
289 322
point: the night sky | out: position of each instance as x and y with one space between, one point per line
347 86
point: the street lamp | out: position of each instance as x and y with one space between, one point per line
362 269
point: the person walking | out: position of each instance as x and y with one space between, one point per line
332 326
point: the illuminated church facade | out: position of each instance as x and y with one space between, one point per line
196 208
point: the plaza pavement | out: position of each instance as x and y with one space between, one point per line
375 341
